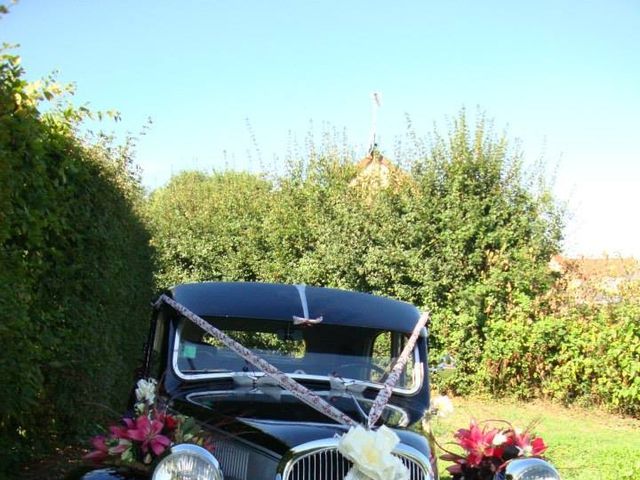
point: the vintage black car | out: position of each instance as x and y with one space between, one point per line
338 344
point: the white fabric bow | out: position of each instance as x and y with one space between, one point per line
306 321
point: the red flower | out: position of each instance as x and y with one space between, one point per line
148 432
478 443
528 447
538 446
170 422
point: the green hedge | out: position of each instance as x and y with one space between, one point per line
75 271
586 353
461 230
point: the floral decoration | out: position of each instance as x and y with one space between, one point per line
441 406
370 452
487 449
138 440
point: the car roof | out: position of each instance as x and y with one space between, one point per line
271 301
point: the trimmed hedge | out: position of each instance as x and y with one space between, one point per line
586 353
75 274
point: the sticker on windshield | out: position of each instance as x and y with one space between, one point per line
189 351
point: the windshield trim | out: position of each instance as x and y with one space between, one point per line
418 371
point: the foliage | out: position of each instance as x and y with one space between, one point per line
75 267
462 230
207 227
578 352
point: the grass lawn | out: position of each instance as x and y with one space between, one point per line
583 444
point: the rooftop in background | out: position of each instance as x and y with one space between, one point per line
598 268
597 280
375 169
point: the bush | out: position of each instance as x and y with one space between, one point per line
584 353
461 231
75 268
599 360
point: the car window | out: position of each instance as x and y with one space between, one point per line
344 352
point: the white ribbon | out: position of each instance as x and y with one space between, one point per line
387 389
306 321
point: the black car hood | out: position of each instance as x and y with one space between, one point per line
277 424
274 403
292 434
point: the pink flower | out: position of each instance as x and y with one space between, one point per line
486 450
121 447
170 422
478 443
120 432
528 446
101 451
148 432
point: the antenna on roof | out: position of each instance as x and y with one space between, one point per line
375 104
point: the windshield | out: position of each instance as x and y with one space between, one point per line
346 355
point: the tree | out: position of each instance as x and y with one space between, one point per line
462 232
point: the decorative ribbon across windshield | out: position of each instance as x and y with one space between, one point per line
299 391
387 388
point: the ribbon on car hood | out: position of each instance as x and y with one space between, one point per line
300 391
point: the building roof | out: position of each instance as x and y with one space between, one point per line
375 169
597 268
374 157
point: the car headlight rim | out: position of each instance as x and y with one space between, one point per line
530 469
188 454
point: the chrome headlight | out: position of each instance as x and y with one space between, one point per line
530 469
188 461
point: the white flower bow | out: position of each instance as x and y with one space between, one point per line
146 390
306 321
371 454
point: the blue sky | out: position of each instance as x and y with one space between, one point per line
561 76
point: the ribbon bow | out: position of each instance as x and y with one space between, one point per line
306 322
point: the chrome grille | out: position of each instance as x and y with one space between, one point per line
234 461
329 464
241 461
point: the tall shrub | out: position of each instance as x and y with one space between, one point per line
586 353
462 231
76 271
487 230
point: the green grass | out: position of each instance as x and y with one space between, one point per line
583 444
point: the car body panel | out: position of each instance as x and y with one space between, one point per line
271 421
282 302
